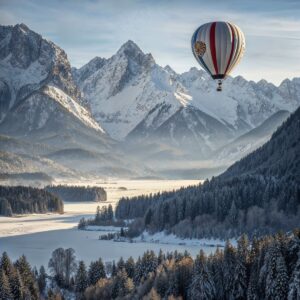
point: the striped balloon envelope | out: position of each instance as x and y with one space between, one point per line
218 47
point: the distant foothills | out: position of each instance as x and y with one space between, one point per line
124 116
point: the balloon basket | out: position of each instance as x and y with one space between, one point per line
219 87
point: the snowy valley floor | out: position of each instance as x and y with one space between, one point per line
37 236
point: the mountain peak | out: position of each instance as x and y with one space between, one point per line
135 55
22 26
130 47
169 69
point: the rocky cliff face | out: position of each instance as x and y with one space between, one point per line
36 85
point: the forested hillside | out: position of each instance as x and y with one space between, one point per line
25 200
77 193
259 194
266 268
279 158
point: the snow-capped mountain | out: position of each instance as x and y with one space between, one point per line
42 105
136 99
123 103
125 88
36 83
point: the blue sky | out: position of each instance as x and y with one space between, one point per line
85 29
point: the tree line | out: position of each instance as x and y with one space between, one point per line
104 217
75 193
23 200
258 195
217 208
265 268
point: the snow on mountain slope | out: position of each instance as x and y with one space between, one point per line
29 63
126 88
251 140
131 96
72 106
242 104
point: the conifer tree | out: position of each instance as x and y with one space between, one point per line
96 271
16 285
294 286
113 269
42 279
202 286
120 264
229 268
81 278
5 292
129 267
27 276
6 264
276 274
240 272
123 285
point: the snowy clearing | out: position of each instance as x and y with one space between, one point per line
171 239
37 236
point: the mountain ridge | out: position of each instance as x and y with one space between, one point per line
158 94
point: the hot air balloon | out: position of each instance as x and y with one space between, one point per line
218 47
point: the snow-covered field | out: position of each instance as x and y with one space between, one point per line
37 236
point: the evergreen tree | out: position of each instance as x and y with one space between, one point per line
98 215
294 287
81 278
217 270
138 271
161 281
129 267
113 269
5 292
110 213
42 279
16 285
6 264
96 271
252 290
123 285
27 276
276 274
240 273
233 215
229 268
82 224
148 217
202 286
120 264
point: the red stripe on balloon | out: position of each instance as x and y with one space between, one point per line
232 47
212 39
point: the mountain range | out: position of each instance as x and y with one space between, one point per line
117 116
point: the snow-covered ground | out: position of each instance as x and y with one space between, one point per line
37 236
171 239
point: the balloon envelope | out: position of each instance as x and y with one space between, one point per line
218 47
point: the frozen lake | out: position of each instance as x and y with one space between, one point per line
37 236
